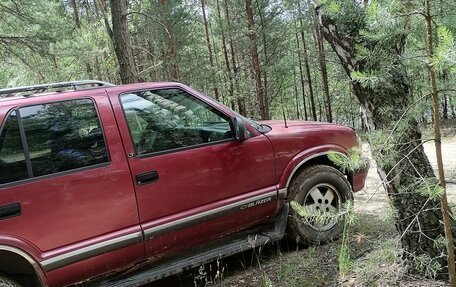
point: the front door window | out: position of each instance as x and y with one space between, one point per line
170 119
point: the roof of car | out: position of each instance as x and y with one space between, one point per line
65 89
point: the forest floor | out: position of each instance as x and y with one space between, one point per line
373 248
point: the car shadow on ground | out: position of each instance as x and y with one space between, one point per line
284 263
223 272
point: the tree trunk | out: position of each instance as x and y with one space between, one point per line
401 161
445 107
86 7
97 68
324 73
122 45
77 22
239 99
171 53
444 78
309 77
76 13
96 8
151 59
89 70
266 64
225 55
255 60
104 11
209 48
302 79
438 148
295 85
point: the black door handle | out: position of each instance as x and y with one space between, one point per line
147 177
10 210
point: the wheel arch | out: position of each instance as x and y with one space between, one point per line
17 262
317 155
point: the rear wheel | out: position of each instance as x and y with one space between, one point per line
322 191
8 282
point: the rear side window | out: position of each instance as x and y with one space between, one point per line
59 137
12 160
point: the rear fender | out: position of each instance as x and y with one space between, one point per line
25 250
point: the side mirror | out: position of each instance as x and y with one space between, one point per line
240 131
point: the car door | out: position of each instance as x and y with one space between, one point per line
63 166
194 181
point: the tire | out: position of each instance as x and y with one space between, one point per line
321 190
8 282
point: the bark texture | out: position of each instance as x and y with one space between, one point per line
324 73
240 100
209 48
255 61
122 45
302 80
309 76
401 161
74 5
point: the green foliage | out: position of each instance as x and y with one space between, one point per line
54 49
322 218
315 218
430 188
353 161
380 18
440 242
426 265
445 52
45 46
345 263
333 7
266 281
367 79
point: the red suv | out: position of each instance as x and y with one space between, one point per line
152 179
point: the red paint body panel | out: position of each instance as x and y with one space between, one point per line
184 239
190 179
111 262
61 210
214 205
199 176
301 140
3 111
69 211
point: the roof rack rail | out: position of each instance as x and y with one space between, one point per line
76 85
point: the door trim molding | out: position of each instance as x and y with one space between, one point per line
91 251
209 214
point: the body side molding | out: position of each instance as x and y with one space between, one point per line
91 251
209 214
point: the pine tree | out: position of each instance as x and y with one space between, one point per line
371 52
